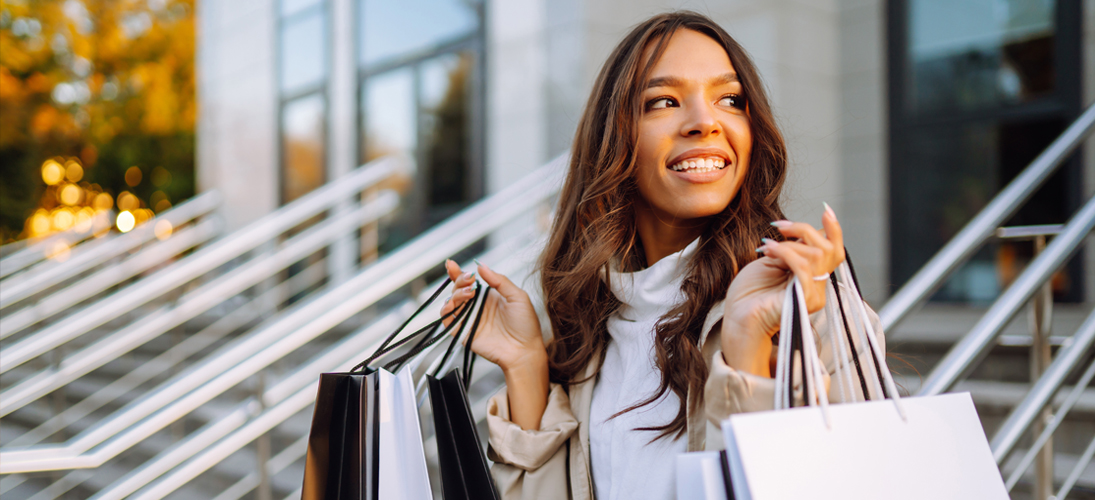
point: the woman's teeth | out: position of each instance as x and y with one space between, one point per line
699 165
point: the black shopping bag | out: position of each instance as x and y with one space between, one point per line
343 458
465 474
343 444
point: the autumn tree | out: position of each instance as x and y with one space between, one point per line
105 84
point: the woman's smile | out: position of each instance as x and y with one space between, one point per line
701 165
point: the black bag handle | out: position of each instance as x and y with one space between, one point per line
460 319
429 330
469 355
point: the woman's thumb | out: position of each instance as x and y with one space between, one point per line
499 282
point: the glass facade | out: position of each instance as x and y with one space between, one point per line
420 74
978 89
302 69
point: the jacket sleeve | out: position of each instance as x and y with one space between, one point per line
729 391
530 464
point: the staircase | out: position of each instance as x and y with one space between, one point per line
184 365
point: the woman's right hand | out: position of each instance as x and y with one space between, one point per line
509 336
509 331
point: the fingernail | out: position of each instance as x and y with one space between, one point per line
476 261
765 241
465 275
782 223
761 249
472 275
829 210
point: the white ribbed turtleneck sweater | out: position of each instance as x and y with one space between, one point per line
626 465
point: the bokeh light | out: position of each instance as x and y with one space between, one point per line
52 172
163 205
39 223
103 201
71 194
163 229
128 202
62 219
84 219
133 176
73 171
125 221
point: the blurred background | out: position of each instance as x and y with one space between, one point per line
149 148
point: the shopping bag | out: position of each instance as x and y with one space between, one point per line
897 448
704 475
343 445
365 442
465 474
402 471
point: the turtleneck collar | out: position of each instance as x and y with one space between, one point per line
651 291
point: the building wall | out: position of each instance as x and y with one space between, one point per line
237 91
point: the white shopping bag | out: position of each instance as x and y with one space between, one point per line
939 452
700 476
900 448
403 474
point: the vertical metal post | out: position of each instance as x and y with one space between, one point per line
1041 316
262 445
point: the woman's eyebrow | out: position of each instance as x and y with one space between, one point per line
673 81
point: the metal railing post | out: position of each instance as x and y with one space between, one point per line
975 345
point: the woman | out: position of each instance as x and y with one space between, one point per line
661 305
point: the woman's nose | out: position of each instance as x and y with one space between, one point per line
700 121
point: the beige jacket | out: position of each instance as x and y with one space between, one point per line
553 462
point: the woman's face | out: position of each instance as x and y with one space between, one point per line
694 137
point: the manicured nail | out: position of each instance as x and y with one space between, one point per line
761 249
829 210
782 223
466 275
765 240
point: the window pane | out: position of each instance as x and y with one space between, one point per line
978 53
944 175
444 93
302 141
390 125
393 29
303 52
290 7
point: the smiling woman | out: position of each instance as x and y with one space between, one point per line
661 305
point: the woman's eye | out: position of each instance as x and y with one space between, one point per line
661 103
733 101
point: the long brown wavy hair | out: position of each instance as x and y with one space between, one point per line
595 220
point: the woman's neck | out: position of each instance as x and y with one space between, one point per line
662 235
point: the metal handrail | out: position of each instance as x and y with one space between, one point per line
38 250
43 276
1051 427
976 344
977 231
294 329
256 307
197 264
193 303
1042 393
110 276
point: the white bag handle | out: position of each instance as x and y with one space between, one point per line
812 367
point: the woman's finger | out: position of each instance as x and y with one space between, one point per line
804 232
505 287
803 267
833 232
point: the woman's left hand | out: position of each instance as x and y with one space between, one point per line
754 301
